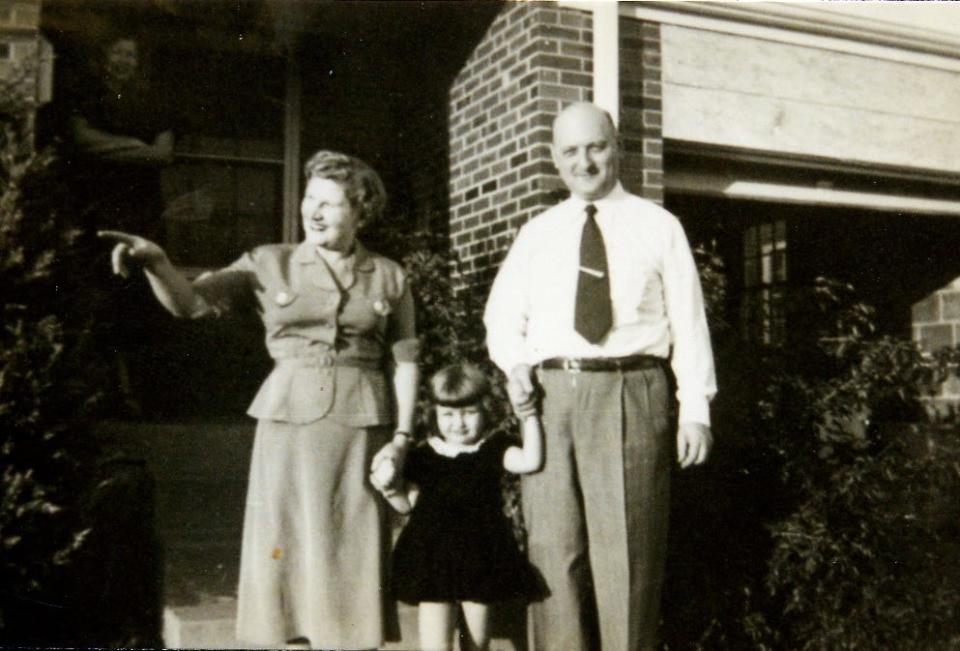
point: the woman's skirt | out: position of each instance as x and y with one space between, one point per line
315 540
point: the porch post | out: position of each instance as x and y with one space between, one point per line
291 147
606 57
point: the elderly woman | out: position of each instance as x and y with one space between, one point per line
336 315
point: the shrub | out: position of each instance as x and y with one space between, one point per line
42 444
61 485
827 518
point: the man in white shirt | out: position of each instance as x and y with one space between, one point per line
595 295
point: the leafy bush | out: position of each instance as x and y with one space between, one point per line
836 520
42 448
862 561
61 486
449 309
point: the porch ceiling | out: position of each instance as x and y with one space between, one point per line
392 33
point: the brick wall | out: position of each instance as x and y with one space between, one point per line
534 59
936 324
641 110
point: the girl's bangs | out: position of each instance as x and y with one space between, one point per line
464 401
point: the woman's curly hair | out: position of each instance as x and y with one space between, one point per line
362 185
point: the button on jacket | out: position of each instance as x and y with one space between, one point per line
329 344
654 287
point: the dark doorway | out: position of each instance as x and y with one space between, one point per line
893 260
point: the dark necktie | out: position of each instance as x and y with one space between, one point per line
594 314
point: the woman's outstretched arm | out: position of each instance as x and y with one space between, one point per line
171 288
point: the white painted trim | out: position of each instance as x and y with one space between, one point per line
582 5
785 23
606 57
696 183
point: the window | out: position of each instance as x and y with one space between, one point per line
224 197
764 282
6 51
225 190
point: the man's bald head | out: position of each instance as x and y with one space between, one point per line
585 150
581 114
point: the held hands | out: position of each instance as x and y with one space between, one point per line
522 391
383 475
387 465
132 247
694 441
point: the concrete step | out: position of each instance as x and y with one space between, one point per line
210 625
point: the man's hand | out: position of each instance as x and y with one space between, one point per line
694 441
521 390
132 247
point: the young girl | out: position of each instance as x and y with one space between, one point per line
458 549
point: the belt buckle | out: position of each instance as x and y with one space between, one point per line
571 365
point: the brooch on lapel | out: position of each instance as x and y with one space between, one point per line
284 299
381 307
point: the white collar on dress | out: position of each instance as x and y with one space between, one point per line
445 449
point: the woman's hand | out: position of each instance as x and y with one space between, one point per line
172 288
132 247
390 454
383 475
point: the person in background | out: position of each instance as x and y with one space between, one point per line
458 551
120 135
593 298
339 323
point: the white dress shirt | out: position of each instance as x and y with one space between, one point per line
654 288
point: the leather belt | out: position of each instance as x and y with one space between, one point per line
324 361
593 364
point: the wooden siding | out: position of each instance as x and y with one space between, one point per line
758 94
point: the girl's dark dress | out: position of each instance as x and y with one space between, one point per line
459 545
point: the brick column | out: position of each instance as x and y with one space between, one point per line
641 109
936 324
534 59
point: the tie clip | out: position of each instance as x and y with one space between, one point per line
593 272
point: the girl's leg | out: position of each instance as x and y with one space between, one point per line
477 618
436 625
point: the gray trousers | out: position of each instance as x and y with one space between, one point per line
596 515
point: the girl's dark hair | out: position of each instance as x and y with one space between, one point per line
362 185
459 385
